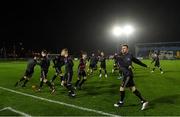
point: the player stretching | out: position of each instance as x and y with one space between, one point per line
81 71
58 63
125 63
68 72
115 66
93 63
156 62
102 60
44 64
29 72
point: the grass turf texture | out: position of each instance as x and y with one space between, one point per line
161 90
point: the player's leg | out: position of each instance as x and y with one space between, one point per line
154 67
160 69
41 79
100 72
114 67
55 75
26 81
69 85
21 79
122 91
27 78
62 80
138 94
47 82
122 96
105 71
78 80
84 79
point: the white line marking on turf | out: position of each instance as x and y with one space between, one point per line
58 102
16 111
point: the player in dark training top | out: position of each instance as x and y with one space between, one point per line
115 65
93 63
58 63
44 64
125 63
29 72
156 62
68 72
81 71
102 60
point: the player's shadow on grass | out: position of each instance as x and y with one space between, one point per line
99 90
171 99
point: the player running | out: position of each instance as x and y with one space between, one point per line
44 64
156 62
81 71
115 66
125 63
58 63
28 73
68 72
93 63
102 60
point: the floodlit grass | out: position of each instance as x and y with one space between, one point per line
161 90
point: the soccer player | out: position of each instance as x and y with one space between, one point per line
102 60
115 66
156 62
28 73
81 71
44 64
125 63
93 63
58 63
68 72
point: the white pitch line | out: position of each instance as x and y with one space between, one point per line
58 102
16 111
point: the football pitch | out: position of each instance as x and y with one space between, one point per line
97 96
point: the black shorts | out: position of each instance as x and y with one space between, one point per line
44 73
128 82
103 66
28 73
81 73
157 65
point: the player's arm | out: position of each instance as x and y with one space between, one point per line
137 61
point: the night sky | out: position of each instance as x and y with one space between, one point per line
86 24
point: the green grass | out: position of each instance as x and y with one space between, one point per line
161 90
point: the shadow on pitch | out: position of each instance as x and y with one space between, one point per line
172 99
99 90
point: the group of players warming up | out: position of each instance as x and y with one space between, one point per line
122 63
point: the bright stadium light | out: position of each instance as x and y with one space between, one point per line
122 33
117 31
128 30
